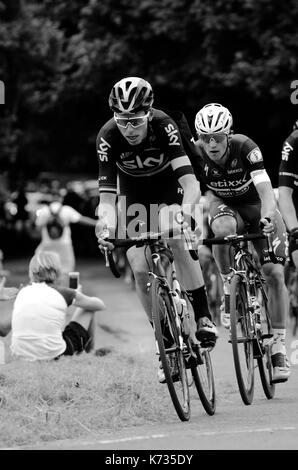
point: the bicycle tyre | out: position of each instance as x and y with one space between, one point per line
202 372
240 337
264 362
163 313
204 382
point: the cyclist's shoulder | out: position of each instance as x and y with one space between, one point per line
109 129
161 117
292 139
242 144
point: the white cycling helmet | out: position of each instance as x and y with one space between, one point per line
213 118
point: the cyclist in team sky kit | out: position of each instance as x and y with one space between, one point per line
232 168
288 190
142 147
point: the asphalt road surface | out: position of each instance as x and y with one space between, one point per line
266 424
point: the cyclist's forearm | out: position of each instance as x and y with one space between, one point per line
287 207
107 208
268 202
191 189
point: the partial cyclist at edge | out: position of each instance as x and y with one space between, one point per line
241 196
143 147
288 190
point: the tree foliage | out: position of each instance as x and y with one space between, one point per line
60 60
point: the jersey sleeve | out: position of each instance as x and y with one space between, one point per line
107 171
173 146
252 155
288 168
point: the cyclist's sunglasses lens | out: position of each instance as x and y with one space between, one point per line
134 121
217 137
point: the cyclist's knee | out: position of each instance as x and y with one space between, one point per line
223 226
274 275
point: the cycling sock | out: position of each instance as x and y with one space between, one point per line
198 298
279 337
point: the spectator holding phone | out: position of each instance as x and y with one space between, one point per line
39 314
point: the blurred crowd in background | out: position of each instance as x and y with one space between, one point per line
19 235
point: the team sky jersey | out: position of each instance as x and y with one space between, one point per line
234 181
161 149
288 169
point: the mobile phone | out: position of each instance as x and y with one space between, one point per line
74 279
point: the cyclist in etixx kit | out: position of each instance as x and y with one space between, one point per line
241 194
141 147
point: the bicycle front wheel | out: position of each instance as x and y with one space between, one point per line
241 338
171 355
204 381
264 338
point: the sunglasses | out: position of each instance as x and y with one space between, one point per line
134 121
218 138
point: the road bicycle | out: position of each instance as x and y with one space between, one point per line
183 359
250 330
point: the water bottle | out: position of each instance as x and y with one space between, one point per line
256 312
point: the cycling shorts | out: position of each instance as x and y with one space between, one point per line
248 218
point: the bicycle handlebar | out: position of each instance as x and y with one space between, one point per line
151 237
144 239
235 239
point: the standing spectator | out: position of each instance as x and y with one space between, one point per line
62 245
39 314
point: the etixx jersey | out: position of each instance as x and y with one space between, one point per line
233 181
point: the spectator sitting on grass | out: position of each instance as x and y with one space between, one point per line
39 314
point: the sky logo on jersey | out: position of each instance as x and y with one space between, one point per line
103 150
138 163
285 151
172 133
255 156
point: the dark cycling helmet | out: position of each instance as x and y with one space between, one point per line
295 127
130 95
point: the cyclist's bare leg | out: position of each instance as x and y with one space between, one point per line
221 227
138 263
188 270
277 294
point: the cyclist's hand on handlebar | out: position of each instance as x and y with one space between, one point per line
266 225
103 234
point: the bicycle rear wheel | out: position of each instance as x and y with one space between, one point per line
171 356
264 335
241 339
204 381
